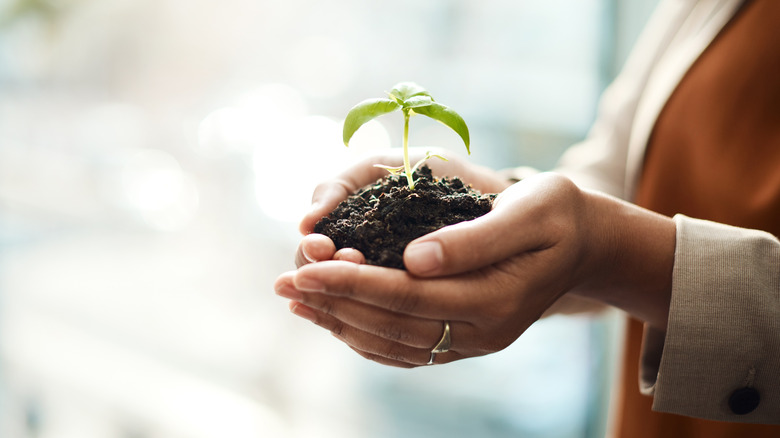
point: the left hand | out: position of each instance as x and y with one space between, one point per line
316 247
494 276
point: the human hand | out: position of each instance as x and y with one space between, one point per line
315 247
492 277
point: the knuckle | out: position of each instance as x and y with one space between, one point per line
328 307
393 353
393 332
338 329
560 200
404 302
324 304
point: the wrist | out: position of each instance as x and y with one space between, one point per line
633 258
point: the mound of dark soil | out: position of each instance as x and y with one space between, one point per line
382 218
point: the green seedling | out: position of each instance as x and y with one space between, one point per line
411 99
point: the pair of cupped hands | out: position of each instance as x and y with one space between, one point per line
546 246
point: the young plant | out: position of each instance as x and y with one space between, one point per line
411 99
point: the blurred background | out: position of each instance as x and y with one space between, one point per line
155 156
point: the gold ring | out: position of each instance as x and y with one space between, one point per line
443 345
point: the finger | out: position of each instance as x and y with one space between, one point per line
510 228
404 329
284 285
439 359
314 248
379 359
325 198
329 194
350 255
389 353
382 350
391 289
362 341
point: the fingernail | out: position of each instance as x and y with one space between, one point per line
307 284
306 255
290 293
304 312
423 257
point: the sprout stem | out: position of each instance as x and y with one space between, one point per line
407 166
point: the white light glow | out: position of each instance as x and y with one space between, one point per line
322 66
249 119
292 151
227 129
370 137
186 404
273 101
289 164
292 161
155 185
113 126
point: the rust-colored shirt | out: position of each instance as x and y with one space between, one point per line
714 154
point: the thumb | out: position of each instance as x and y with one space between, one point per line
325 198
455 249
502 233
329 194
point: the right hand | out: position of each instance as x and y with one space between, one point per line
492 277
327 195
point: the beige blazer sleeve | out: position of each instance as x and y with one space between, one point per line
720 355
721 352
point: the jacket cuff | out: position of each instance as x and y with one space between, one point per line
723 337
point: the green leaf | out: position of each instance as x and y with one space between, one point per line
403 91
394 170
364 112
417 101
448 117
428 156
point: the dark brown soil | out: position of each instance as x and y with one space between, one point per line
382 218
